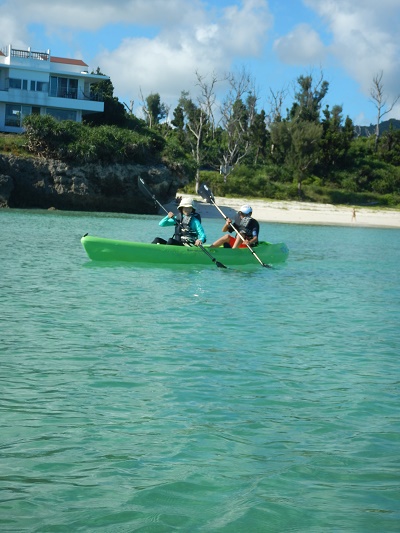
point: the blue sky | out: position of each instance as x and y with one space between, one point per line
148 46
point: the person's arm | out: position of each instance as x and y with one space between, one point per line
201 236
252 241
255 231
168 220
228 226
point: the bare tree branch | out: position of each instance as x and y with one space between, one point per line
207 97
380 102
276 100
237 115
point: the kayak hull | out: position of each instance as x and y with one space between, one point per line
101 249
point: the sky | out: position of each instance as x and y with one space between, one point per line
158 46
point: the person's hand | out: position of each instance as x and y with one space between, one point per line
198 242
228 221
171 214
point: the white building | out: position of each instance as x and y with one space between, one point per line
37 82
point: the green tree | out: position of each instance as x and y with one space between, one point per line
304 150
308 99
179 118
178 122
389 147
114 112
296 145
335 141
259 137
154 110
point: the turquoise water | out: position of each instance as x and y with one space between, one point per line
161 399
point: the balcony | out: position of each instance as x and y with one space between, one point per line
24 94
28 54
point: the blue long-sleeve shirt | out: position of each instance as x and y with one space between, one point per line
195 224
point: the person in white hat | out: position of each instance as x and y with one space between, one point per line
188 228
246 225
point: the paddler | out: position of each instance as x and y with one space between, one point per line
188 228
246 225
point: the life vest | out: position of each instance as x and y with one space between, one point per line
245 227
184 232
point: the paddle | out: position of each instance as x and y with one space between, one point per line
207 194
143 188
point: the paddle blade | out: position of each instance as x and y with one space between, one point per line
142 187
206 193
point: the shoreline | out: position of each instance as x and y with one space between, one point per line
285 212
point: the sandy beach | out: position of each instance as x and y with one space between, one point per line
301 212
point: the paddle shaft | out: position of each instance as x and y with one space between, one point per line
218 263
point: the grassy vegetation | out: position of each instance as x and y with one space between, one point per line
14 144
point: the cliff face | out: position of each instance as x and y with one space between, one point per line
44 184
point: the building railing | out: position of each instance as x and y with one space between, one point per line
27 54
70 95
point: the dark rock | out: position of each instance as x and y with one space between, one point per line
44 184
6 187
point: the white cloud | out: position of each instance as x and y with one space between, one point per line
11 31
163 42
167 63
302 46
206 34
365 39
244 31
154 66
94 14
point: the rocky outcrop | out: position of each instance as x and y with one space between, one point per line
45 184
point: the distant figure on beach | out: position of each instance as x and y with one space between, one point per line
353 217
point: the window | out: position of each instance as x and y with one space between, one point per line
53 86
61 114
25 111
15 83
73 89
63 87
25 85
33 85
15 114
42 86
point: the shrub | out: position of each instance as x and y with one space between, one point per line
174 156
73 141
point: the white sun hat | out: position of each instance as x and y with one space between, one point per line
186 202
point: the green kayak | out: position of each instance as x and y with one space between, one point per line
100 249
